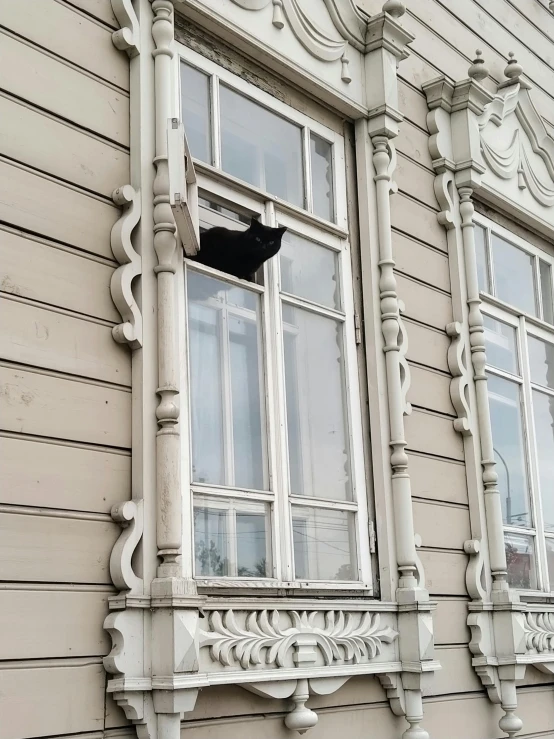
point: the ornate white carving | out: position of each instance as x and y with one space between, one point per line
314 39
301 718
539 632
351 637
130 331
130 517
474 570
405 375
459 385
127 38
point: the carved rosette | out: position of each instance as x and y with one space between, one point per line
293 638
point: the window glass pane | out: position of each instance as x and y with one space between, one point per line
514 275
321 153
520 556
481 254
543 414
309 271
260 147
541 361
218 208
324 544
319 458
195 104
546 292
230 538
226 384
500 343
550 559
507 434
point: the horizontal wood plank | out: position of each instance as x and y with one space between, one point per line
50 145
427 346
41 405
430 389
415 180
100 9
457 674
423 303
43 338
41 205
412 102
445 572
417 260
59 88
417 220
50 701
38 624
450 622
441 526
55 549
59 277
37 473
433 434
83 42
437 479
414 143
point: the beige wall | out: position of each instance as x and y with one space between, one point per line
64 384
65 401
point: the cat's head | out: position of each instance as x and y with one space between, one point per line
267 240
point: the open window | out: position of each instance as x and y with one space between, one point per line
276 454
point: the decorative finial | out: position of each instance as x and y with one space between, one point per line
395 8
478 70
513 70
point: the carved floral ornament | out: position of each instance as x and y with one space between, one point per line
266 640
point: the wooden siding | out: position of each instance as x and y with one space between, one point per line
65 400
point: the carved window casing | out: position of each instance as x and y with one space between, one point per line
275 454
515 280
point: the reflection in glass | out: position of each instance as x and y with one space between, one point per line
550 560
546 291
520 557
195 103
507 434
260 147
543 415
309 270
226 384
481 255
319 458
321 153
230 538
514 275
500 344
324 544
541 361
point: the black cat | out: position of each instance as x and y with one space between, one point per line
239 253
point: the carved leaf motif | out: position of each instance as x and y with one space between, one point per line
539 632
345 637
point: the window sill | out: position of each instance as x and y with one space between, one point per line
277 589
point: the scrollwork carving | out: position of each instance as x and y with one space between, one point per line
130 517
316 41
130 331
405 375
345 637
539 632
459 385
127 37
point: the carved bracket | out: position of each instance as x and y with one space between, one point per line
127 38
130 331
459 385
129 515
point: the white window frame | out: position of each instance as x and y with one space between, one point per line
524 324
216 185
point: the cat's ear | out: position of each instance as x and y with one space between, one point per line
281 230
255 224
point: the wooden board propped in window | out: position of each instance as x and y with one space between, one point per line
183 187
